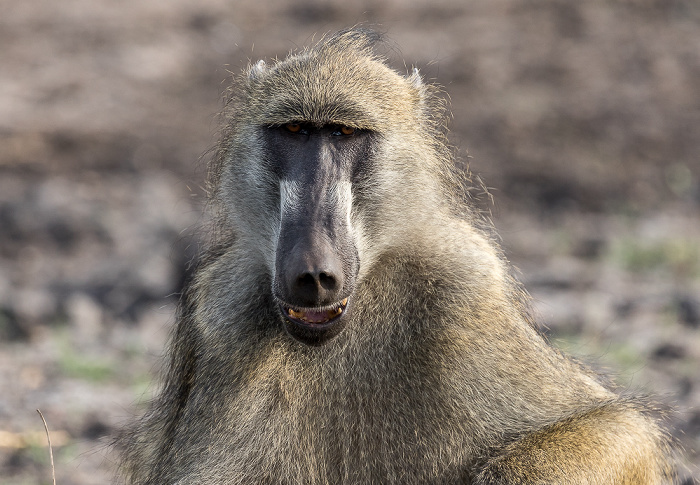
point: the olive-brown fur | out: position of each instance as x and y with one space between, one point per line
439 376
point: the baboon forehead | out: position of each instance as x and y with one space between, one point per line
331 87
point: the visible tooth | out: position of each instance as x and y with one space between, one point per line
295 314
344 302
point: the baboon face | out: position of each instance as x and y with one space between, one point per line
316 259
318 146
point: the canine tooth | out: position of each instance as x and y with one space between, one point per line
295 314
344 302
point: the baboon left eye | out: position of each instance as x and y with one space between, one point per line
344 131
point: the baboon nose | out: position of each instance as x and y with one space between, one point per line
316 287
313 277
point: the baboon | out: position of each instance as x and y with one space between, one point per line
353 320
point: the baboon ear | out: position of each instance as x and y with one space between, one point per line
415 78
257 69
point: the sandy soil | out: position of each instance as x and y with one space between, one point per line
583 118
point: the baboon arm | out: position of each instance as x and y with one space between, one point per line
611 444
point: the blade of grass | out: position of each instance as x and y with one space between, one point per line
48 437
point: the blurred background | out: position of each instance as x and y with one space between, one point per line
583 119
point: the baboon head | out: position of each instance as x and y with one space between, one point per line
316 146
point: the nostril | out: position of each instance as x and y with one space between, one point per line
327 280
306 280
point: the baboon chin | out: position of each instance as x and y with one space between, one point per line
353 320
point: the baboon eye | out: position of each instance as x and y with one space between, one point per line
293 127
343 131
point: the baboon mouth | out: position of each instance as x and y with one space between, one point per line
315 316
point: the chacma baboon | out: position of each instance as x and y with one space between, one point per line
353 322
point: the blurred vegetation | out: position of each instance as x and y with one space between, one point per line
675 255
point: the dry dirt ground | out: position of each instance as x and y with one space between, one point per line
583 117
